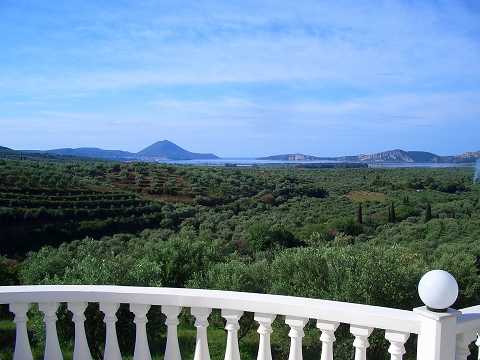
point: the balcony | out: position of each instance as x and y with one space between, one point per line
443 334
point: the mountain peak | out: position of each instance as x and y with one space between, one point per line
167 150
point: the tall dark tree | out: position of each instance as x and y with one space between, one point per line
359 214
428 213
392 213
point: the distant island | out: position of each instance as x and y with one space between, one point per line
392 156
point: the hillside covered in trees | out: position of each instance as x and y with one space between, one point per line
350 234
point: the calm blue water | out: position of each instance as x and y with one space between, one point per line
236 161
253 161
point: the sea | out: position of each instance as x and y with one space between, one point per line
252 162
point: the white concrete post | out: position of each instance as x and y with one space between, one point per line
232 352
80 349
52 347
142 351
22 345
327 337
296 334
361 340
201 323
397 343
264 329
172 351
437 337
112 350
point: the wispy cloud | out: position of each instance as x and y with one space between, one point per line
234 43
391 74
128 122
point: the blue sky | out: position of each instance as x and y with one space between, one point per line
241 78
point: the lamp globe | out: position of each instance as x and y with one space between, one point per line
438 290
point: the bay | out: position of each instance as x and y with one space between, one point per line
249 162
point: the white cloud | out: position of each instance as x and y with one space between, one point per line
336 44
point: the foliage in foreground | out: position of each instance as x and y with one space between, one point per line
383 275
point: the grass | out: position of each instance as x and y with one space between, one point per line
217 339
7 339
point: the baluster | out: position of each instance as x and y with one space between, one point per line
112 351
232 316
80 349
296 334
361 340
327 338
201 323
22 345
264 329
172 351
463 340
397 343
52 347
142 351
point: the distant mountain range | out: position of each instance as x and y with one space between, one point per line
392 156
161 150
166 150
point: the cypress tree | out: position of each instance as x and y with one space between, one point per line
428 213
389 219
392 213
359 214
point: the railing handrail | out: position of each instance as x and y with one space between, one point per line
343 312
469 320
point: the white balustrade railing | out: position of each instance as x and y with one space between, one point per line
441 335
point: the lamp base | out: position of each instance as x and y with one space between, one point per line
436 310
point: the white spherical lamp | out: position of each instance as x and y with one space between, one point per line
438 290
